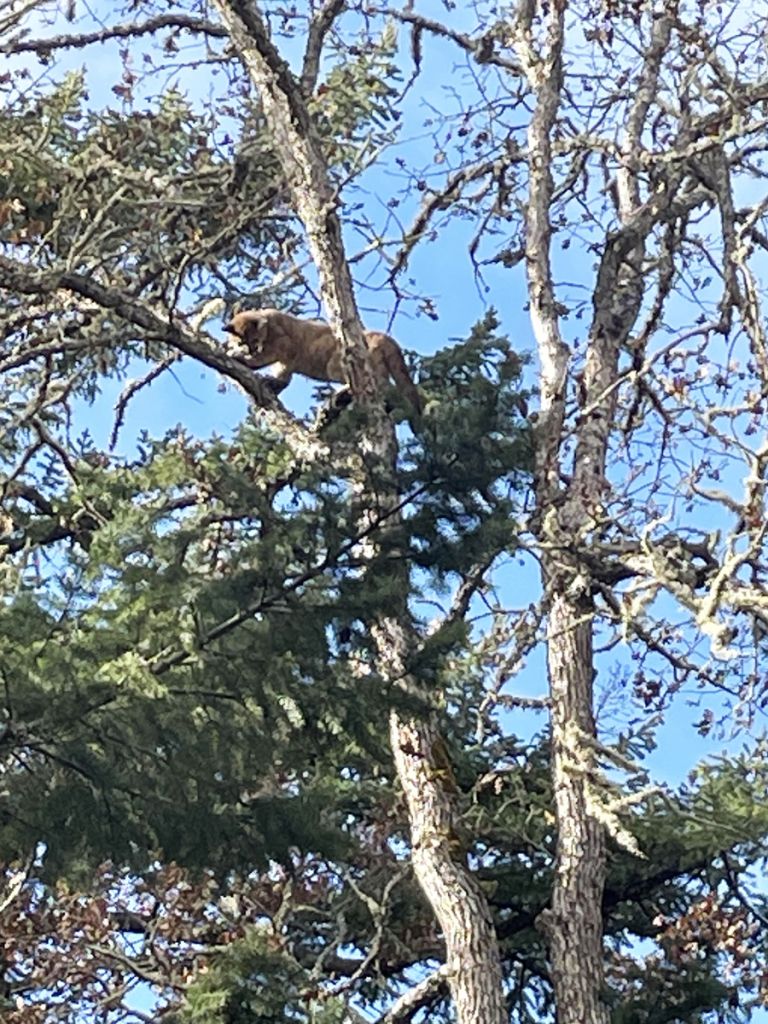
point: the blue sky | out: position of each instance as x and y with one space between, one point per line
190 394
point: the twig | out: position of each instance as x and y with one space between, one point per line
436 202
125 30
132 388
481 48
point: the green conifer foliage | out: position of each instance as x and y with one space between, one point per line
198 803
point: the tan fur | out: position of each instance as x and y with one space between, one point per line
309 347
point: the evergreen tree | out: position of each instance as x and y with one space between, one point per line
204 635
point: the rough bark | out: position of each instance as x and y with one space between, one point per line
473 962
573 923
472 955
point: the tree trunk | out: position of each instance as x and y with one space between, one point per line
574 923
439 861
569 512
472 954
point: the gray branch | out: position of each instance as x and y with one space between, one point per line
125 30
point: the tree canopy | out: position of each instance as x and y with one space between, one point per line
271 727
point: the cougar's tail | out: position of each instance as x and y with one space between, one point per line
398 371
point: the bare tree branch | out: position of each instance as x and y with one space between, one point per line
16 276
482 47
319 27
544 72
126 30
439 200
419 995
